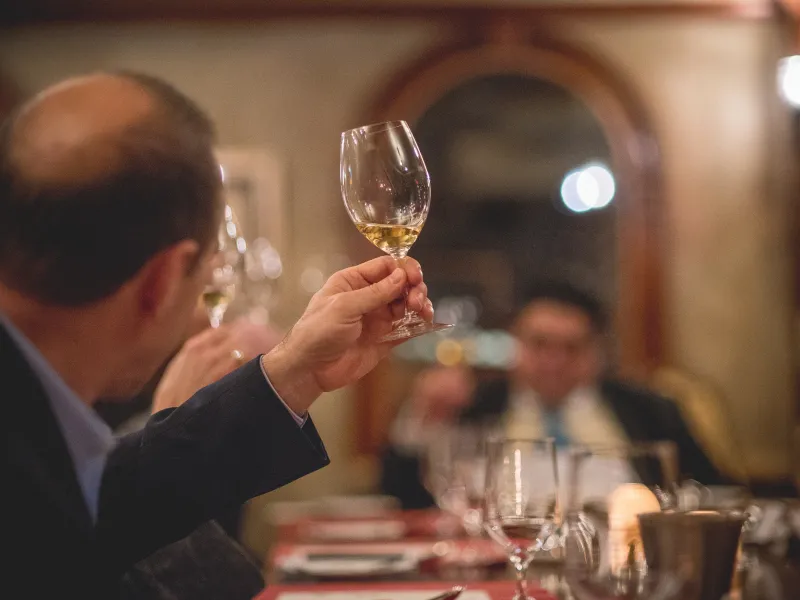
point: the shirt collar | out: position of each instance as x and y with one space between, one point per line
88 438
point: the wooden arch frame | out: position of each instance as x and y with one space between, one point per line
502 48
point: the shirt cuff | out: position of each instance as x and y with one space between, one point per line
299 419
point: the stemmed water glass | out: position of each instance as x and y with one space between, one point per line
387 193
521 509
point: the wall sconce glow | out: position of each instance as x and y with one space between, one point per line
589 187
789 80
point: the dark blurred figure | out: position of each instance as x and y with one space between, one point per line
556 388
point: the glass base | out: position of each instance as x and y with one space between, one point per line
406 331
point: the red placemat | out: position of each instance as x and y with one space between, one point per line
420 524
488 549
497 590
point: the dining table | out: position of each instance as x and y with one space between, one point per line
439 553
419 554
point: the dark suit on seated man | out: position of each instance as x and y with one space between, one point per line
110 199
556 390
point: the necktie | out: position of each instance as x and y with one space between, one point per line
554 426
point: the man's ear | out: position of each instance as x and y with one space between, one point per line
162 278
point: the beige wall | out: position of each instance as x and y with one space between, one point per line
724 136
709 86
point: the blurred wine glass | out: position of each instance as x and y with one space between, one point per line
263 267
521 501
454 472
606 490
227 264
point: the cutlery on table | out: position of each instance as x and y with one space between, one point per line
451 594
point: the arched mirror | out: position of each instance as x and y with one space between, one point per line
542 167
523 192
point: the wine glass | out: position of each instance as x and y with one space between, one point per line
521 509
607 489
387 193
454 474
226 266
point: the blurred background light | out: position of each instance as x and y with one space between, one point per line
789 80
589 187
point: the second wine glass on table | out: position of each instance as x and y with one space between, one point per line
521 510
387 192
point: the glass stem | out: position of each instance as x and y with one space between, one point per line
522 582
215 317
408 314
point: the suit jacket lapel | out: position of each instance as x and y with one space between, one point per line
628 413
34 438
639 427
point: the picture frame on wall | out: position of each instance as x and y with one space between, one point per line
255 188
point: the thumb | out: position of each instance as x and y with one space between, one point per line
365 300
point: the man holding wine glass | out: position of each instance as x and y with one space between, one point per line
111 197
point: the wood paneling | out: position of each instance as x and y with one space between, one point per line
41 11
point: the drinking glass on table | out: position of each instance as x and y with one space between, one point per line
387 193
226 268
606 490
454 474
521 511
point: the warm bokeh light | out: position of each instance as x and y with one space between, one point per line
449 352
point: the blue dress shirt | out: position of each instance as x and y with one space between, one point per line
88 438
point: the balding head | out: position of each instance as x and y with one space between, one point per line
97 175
70 134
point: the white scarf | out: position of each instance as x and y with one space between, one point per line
587 419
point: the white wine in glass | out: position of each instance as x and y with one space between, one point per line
521 501
387 192
217 296
225 276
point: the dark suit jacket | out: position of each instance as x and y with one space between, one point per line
232 441
643 416
206 565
